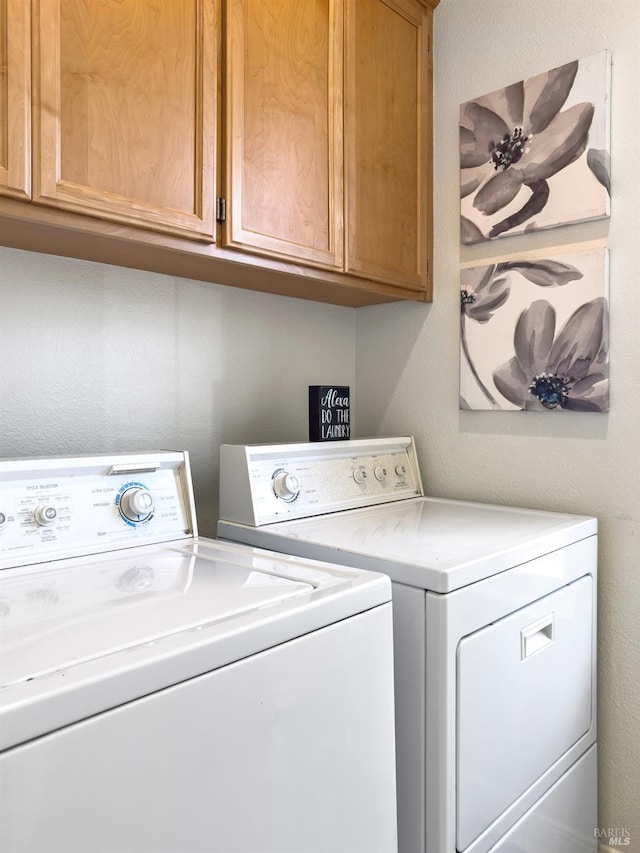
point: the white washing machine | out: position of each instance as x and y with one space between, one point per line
162 692
494 633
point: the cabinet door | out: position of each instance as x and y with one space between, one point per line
124 111
15 94
284 129
388 141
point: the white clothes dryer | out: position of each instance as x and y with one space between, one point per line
494 636
164 692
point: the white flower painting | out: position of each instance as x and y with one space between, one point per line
534 334
536 154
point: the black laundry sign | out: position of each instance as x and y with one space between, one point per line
329 413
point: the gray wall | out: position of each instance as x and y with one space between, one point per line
408 363
96 358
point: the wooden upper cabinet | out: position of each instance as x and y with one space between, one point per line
124 98
388 148
328 135
283 135
15 99
109 109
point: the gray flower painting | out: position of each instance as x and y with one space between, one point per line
534 334
536 154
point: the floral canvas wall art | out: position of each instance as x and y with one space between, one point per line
536 154
534 334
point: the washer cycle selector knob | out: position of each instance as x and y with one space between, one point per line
380 472
136 505
286 486
45 515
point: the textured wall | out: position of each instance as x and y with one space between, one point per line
407 355
95 358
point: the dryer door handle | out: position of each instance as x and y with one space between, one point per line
536 636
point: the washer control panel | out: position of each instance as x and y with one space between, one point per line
261 484
54 508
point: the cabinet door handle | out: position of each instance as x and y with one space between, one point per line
536 636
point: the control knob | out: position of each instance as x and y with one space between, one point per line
286 486
360 475
136 505
45 515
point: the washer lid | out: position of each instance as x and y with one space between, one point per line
434 544
85 634
58 616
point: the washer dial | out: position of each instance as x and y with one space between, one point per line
136 505
45 515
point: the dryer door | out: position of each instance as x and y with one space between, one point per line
524 687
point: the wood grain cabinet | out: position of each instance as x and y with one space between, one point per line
15 99
116 147
328 135
283 132
388 146
124 111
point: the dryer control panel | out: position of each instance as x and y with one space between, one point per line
261 484
53 508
